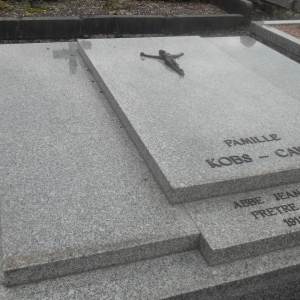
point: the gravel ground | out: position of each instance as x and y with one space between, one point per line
13 8
293 30
110 7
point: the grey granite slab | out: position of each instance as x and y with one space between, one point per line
220 129
63 156
75 193
278 39
274 67
246 224
180 276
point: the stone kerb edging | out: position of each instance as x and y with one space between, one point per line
276 39
75 27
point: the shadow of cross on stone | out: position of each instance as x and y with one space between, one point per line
69 54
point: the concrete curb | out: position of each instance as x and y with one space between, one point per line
9 28
157 24
123 24
49 27
276 39
190 24
75 27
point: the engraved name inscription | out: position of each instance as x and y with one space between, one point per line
252 140
287 195
245 158
292 221
247 202
227 161
272 211
288 152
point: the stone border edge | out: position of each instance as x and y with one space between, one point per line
276 39
76 27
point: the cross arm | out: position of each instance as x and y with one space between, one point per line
151 56
177 55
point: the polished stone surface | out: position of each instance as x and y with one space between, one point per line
181 276
247 224
272 66
75 193
189 129
284 42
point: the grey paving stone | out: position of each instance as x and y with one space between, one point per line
75 193
247 224
194 131
274 67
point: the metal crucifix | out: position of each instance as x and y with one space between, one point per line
169 60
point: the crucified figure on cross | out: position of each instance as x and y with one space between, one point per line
169 60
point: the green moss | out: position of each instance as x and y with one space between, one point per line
245 25
3 5
34 10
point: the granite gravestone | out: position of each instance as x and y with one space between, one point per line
219 130
78 197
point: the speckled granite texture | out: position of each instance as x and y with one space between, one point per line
181 124
75 193
180 276
266 63
76 197
247 224
267 33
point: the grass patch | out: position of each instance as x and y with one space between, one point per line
33 10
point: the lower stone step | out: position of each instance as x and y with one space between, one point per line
247 224
185 275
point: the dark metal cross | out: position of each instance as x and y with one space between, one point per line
169 60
